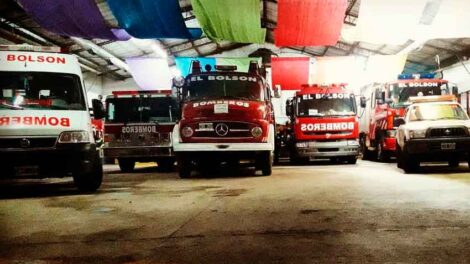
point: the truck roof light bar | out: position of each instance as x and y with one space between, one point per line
195 66
254 67
433 98
226 67
30 48
416 76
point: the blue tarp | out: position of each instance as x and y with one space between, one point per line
183 64
152 19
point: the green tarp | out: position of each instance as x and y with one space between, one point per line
232 20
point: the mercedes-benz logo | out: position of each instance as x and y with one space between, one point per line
221 129
25 143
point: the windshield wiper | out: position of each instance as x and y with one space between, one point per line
12 107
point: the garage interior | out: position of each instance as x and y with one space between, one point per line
320 211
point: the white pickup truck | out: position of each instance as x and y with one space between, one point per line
45 123
433 131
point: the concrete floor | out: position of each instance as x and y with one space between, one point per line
369 212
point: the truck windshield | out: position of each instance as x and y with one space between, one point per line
326 105
40 91
401 93
431 112
141 110
243 87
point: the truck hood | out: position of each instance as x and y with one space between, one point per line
437 123
42 122
224 109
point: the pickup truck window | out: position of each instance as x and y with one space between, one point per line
432 112
41 91
401 95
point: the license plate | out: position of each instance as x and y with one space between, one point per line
26 170
448 146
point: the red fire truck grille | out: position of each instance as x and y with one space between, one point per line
235 129
28 142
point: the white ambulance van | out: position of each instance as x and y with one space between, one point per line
45 123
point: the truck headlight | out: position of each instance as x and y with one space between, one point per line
301 144
74 137
187 132
353 143
418 133
257 132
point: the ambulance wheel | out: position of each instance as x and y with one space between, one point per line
166 165
91 181
126 165
184 167
265 161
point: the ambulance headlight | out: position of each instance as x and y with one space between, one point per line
74 137
417 133
187 132
257 132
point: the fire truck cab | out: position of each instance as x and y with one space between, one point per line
384 103
324 124
227 116
138 127
45 123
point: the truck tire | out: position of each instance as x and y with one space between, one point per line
399 158
165 165
126 165
366 153
265 163
184 166
382 155
351 160
409 164
89 182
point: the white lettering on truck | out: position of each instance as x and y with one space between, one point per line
213 102
139 129
36 58
327 126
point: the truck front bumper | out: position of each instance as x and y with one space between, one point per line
138 152
55 161
327 149
432 149
218 147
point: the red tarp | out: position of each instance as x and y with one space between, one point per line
309 23
290 73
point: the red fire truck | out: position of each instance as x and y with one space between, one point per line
227 116
323 124
138 127
384 104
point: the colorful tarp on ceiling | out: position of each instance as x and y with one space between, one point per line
150 73
232 20
77 18
290 73
152 19
309 23
183 64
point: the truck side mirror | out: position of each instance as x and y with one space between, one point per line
399 121
363 101
289 107
277 91
98 109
